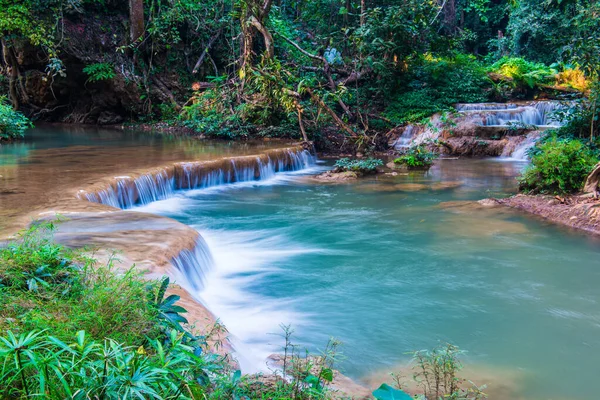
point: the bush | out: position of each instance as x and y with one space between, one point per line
417 157
99 72
573 78
13 124
362 166
558 166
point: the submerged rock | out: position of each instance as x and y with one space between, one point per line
331 176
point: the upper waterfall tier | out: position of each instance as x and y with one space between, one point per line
539 113
126 192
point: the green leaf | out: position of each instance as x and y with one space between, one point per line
386 392
327 374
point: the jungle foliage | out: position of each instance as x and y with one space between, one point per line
233 68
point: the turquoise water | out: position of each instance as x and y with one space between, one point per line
388 266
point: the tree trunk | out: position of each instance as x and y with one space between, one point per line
11 62
593 181
136 19
450 16
363 10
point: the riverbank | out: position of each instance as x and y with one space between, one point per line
577 212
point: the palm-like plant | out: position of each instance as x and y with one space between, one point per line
35 364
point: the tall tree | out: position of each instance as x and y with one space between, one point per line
136 19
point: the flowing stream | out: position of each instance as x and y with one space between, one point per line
388 264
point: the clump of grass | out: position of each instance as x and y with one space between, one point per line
46 286
298 374
367 166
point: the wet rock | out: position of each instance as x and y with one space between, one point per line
488 202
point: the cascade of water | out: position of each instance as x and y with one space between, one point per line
153 187
539 113
547 110
194 264
127 192
485 106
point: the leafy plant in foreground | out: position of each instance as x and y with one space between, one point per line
37 364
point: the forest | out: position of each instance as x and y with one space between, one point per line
386 92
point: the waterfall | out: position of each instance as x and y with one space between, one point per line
126 192
539 113
406 138
194 264
520 152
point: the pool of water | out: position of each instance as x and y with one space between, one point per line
392 264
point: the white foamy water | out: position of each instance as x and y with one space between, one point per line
242 260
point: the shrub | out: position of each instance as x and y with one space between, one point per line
417 157
99 72
558 166
362 166
13 124
573 78
209 114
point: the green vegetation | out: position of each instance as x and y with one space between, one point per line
366 166
13 124
417 157
559 166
